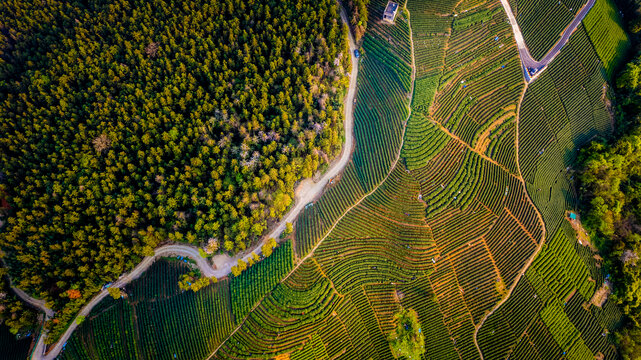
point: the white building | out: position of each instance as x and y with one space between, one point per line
390 11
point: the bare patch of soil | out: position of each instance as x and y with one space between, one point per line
601 295
581 235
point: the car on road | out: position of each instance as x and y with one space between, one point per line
357 53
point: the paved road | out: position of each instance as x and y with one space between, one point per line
329 231
531 67
308 190
164 251
37 303
305 192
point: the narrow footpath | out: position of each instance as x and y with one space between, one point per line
531 69
329 231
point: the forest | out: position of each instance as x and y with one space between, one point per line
610 190
130 123
358 16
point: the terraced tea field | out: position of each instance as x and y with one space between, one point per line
543 21
384 89
453 205
604 26
155 320
13 349
549 315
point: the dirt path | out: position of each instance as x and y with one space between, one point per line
308 190
468 147
393 165
541 221
164 251
531 67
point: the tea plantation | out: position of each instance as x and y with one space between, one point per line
454 205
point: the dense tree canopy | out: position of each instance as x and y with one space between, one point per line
127 123
14 313
407 341
358 16
611 182
610 189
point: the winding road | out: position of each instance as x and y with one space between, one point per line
37 303
329 231
164 251
532 68
306 191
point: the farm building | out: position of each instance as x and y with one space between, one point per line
390 11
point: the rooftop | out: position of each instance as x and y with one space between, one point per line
391 7
390 11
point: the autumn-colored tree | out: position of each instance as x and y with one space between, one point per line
289 228
235 271
242 265
115 292
212 246
268 247
74 294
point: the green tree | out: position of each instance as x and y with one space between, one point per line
629 78
610 190
114 144
407 339
114 292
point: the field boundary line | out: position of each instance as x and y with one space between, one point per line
392 167
520 224
470 148
541 222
